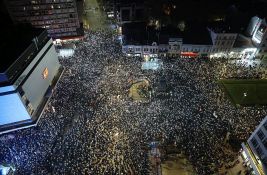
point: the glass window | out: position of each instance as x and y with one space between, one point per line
265 124
260 134
265 143
259 151
254 142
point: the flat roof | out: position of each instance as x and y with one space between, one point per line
140 33
243 42
238 26
14 41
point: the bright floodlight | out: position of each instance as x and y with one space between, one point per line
245 94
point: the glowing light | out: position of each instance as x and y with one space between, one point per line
45 73
189 54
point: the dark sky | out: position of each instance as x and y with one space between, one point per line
200 10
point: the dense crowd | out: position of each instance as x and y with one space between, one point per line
91 126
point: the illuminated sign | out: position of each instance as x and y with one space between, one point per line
189 54
45 73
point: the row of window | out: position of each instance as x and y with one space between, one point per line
43 12
47 17
138 49
64 22
58 35
195 50
51 31
20 2
225 37
55 21
153 50
222 43
221 50
42 7
263 139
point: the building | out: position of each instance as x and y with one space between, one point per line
223 38
126 11
259 35
29 70
146 41
243 48
59 17
131 11
254 151
228 42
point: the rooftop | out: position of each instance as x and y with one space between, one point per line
243 42
236 26
14 41
139 33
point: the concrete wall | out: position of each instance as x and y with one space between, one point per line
36 85
12 109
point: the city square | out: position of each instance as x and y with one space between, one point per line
133 87
92 123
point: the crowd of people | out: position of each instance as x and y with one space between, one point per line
92 126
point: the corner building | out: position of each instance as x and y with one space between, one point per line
254 151
29 71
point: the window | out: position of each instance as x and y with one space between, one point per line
259 151
254 142
260 134
265 143
265 125
137 49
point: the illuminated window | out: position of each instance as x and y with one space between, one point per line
45 73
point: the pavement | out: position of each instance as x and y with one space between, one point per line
94 18
177 165
235 169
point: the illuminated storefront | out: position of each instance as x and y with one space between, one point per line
189 54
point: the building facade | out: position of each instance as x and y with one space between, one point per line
26 82
254 151
175 47
59 17
259 37
222 43
252 44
